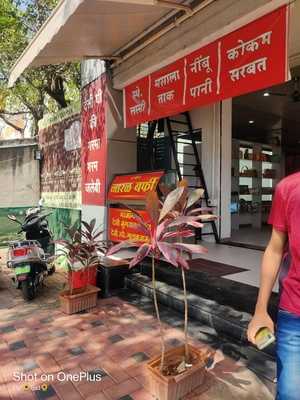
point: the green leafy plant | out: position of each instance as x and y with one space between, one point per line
83 249
174 218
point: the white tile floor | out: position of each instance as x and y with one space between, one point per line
238 257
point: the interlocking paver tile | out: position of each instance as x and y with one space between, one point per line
76 351
7 329
20 344
43 394
140 357
115 338
66 391
29 365
96 373
59 333
49 335
46 320
96 323
143 395
126 397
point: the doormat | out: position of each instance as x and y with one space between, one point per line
244 245
213 268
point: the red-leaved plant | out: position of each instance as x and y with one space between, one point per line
174 218
82 250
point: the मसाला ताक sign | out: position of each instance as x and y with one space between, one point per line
249 59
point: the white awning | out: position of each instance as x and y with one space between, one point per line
80 29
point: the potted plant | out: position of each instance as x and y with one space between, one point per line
81 258
176 372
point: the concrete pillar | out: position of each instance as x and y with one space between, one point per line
215 122
225 165
122 146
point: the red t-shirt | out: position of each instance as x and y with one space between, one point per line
285 217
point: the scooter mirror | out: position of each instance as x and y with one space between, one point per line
13 218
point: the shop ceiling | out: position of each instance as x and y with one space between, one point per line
256 113
105 29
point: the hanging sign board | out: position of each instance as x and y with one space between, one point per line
134 186
246 60
94 143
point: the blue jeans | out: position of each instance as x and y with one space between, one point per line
288 356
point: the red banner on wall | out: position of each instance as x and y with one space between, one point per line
123 226
94 143
134 186
249 59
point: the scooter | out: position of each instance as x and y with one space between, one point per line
30 259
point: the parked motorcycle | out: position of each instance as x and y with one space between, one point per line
31 259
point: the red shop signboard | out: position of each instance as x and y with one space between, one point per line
134 186
94 143
246 60
122 225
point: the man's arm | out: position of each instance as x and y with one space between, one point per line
269 272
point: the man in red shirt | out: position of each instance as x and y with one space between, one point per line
285 218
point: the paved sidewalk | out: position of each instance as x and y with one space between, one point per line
114 340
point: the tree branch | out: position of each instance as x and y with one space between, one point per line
13 113
8 122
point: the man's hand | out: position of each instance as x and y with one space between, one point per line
259 320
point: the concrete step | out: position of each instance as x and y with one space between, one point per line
222 323
224 291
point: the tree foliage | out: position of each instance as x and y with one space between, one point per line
39 90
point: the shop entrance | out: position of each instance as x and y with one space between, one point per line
172 143
265 148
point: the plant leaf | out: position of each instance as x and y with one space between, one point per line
182 234
126 244
194 197
207 217
137 217
183 183
187 220
182 262
190 248
141 253
170 202
152 206
182 201
199 210
169 252
161 228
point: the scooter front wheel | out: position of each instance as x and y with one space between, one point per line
28 290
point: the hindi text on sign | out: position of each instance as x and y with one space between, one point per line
250 46
250 58
248 69
200 63
167 79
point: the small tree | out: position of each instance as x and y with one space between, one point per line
38 91
172 219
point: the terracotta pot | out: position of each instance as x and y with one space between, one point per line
175 387
79 300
